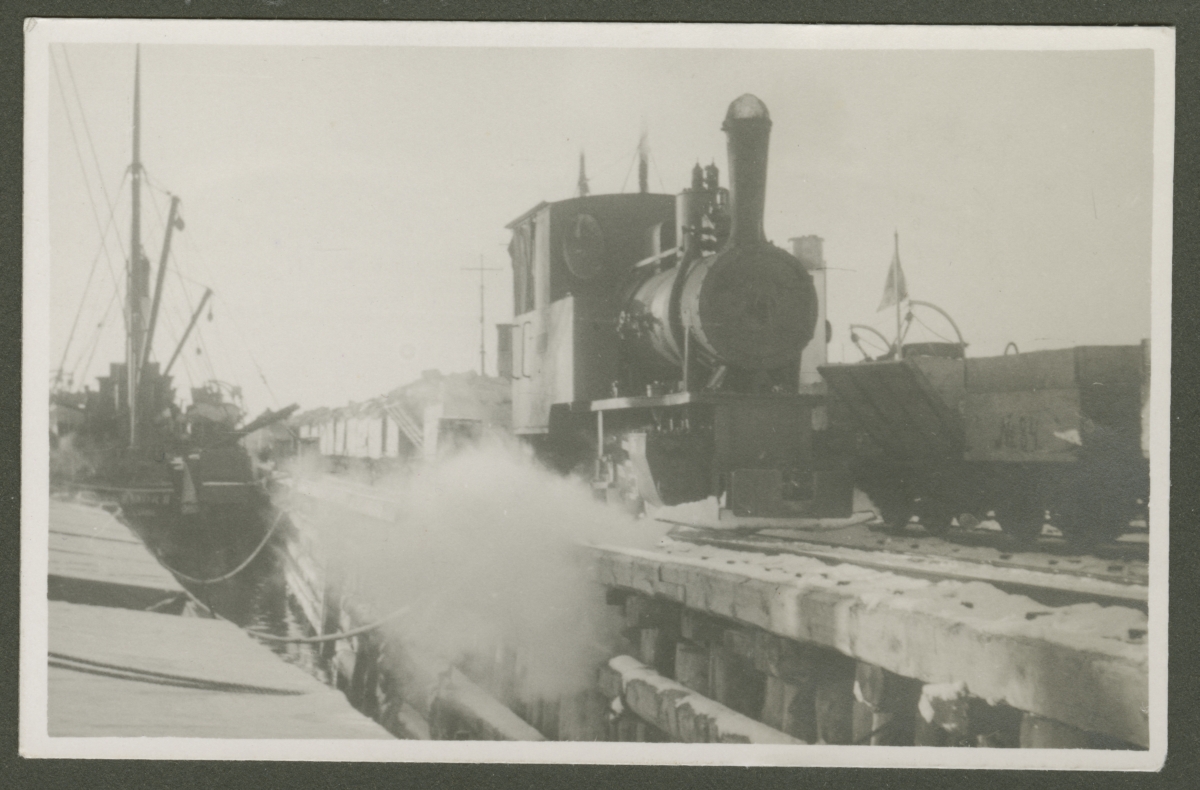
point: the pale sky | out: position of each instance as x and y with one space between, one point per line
333 195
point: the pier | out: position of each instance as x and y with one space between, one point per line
725 645
120 664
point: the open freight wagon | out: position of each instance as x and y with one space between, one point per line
1023 437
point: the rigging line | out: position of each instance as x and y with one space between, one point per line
87 182
95 159
96 340
233 316
170 319
193 281
154 184
629 170
83 116
178 270
242 336
603 170
657 171
222 345
162 225
87 285
199 333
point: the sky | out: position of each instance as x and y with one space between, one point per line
335 196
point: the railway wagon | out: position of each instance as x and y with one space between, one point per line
664 347
1026 437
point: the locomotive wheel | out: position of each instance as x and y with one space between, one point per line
935 515
895 510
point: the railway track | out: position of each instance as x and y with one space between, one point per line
1048 571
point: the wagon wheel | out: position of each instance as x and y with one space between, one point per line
1022 519
935 514
1089 520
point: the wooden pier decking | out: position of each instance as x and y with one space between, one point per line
118 671
95 559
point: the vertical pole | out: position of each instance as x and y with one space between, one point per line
482 332
138 282
687 338
599 434
896 286
482 322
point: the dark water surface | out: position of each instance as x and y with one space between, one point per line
258 599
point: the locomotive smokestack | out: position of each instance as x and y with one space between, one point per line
748 126
751 306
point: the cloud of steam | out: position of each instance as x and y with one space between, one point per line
67 463
486 542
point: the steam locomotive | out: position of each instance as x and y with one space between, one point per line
664 343
663 346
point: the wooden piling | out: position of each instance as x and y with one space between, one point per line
835 698
581 716
734 682
691 666
884 706
1042 733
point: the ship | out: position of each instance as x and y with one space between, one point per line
180 478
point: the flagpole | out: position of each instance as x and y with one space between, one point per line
896 285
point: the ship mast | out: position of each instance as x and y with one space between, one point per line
138 287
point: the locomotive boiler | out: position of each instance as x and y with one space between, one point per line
662 343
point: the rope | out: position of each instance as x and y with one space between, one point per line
235 571
312 640
92 667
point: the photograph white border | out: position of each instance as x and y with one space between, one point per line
40 33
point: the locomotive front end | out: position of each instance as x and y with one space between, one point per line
750 306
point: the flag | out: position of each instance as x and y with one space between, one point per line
896 289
